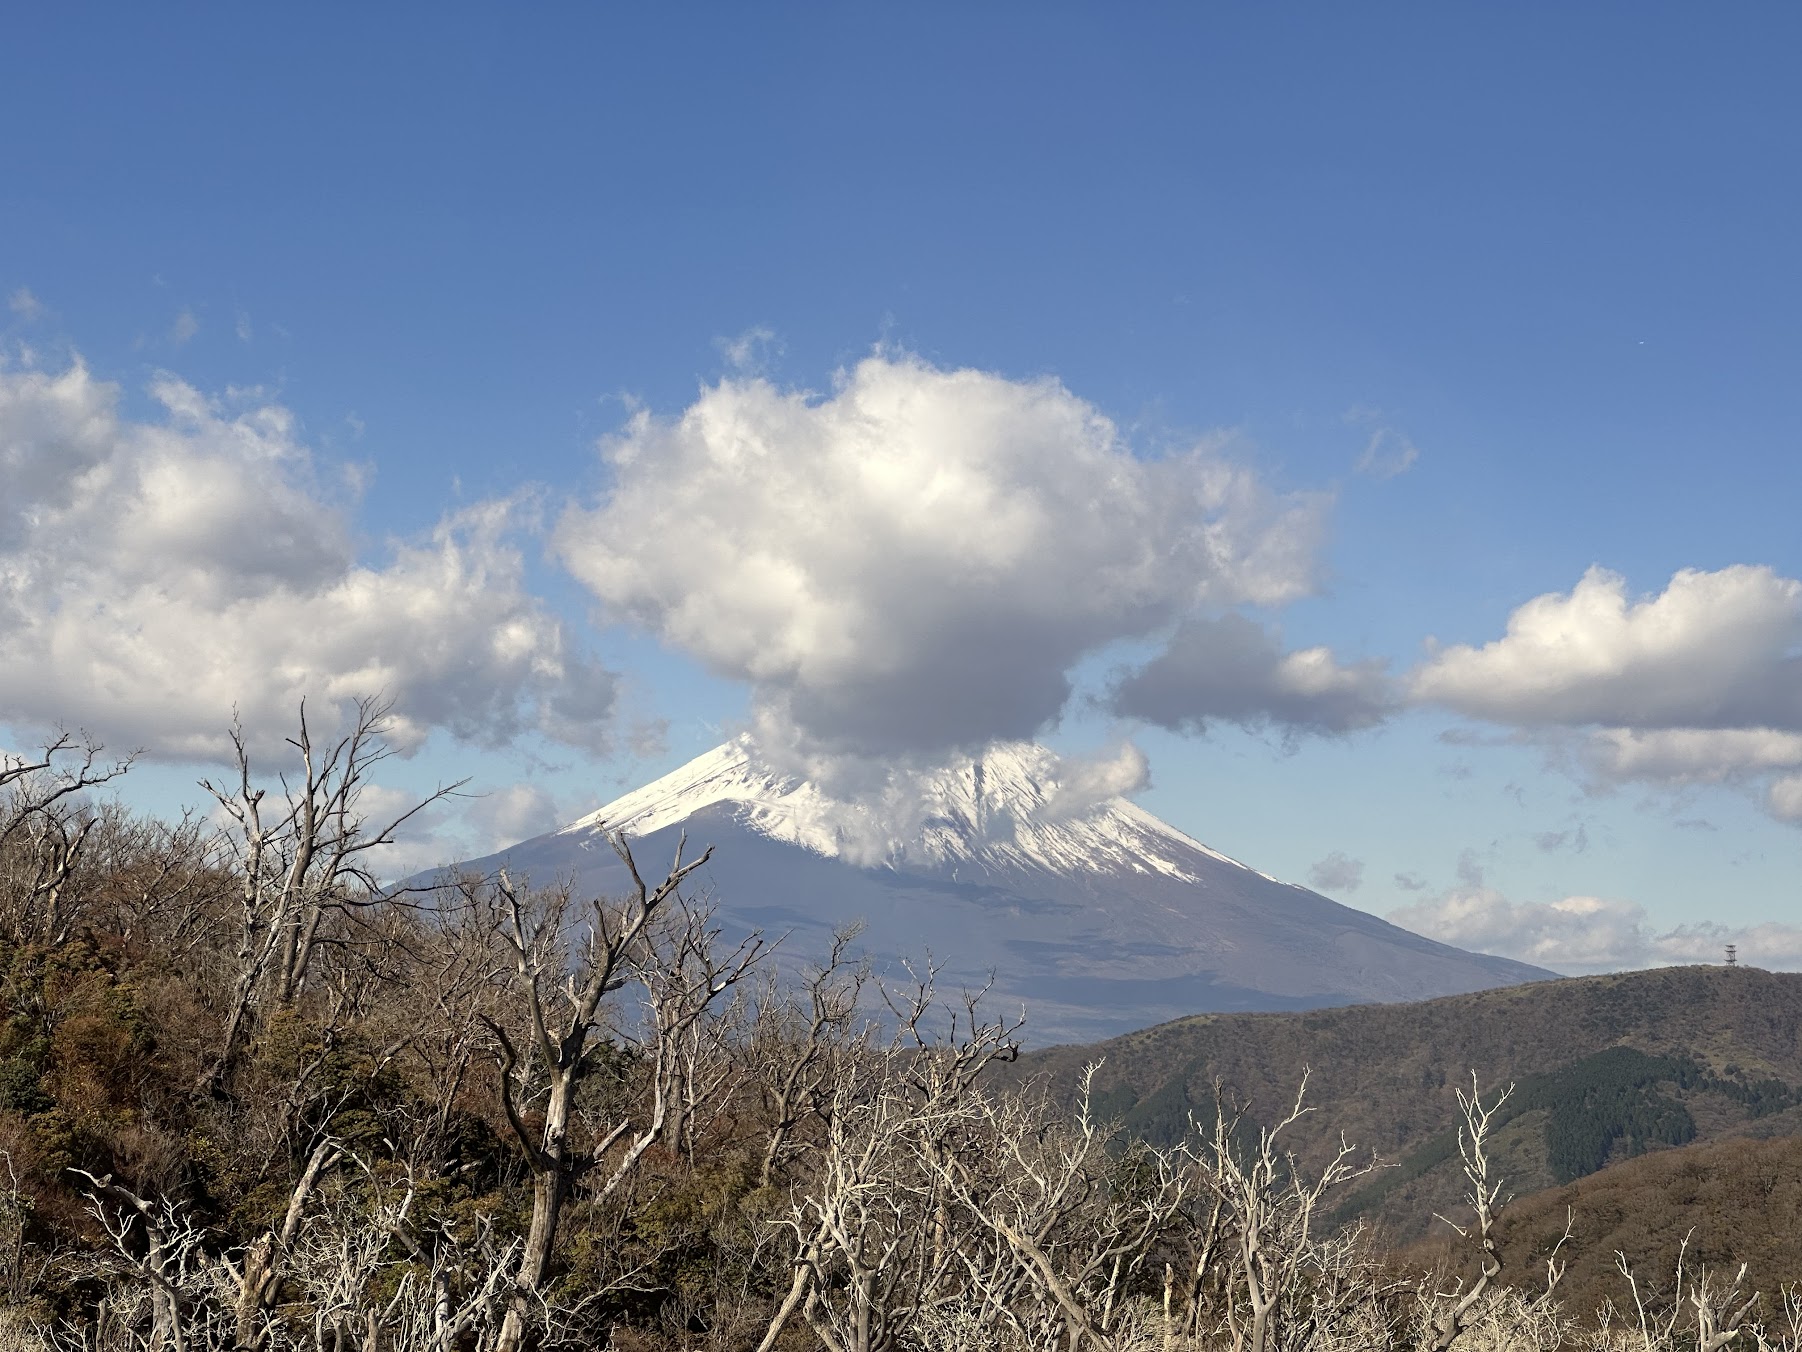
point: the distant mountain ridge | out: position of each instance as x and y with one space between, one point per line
1089 911
1605 1068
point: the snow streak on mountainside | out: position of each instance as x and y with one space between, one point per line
1005 809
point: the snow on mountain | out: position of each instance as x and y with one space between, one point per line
1002 809
1011 871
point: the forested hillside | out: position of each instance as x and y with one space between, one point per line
1715 1204
251 1099
1606 1068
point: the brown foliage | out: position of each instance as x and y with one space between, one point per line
251 1101
1737 1201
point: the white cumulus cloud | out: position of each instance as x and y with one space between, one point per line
465 825
1699 684
1713 650
515 812
156 574
913 563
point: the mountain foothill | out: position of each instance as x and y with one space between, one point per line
1652 1106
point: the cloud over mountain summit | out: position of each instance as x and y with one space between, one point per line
914 562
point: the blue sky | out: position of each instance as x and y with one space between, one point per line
1504 295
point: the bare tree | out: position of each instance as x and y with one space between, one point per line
45 821
1484 1196
69 765
449 960
23 1265
798 1045
1531 1318
560 1000
1074 1213
160 883
369 1277
865 1252
1274 1205
684 970
300 861
162 1294
264 1261
1702 1311
449 1286
874 1237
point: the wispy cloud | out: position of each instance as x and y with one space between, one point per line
751 350
1575 840
1388 451
25 305
1338 872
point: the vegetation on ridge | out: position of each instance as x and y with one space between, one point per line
1607 1067
250 1100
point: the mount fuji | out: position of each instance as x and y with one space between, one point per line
1095 915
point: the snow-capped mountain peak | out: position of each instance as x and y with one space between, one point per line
1014 871
1010 807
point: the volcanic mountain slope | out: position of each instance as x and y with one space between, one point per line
1096 916
1604 1068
